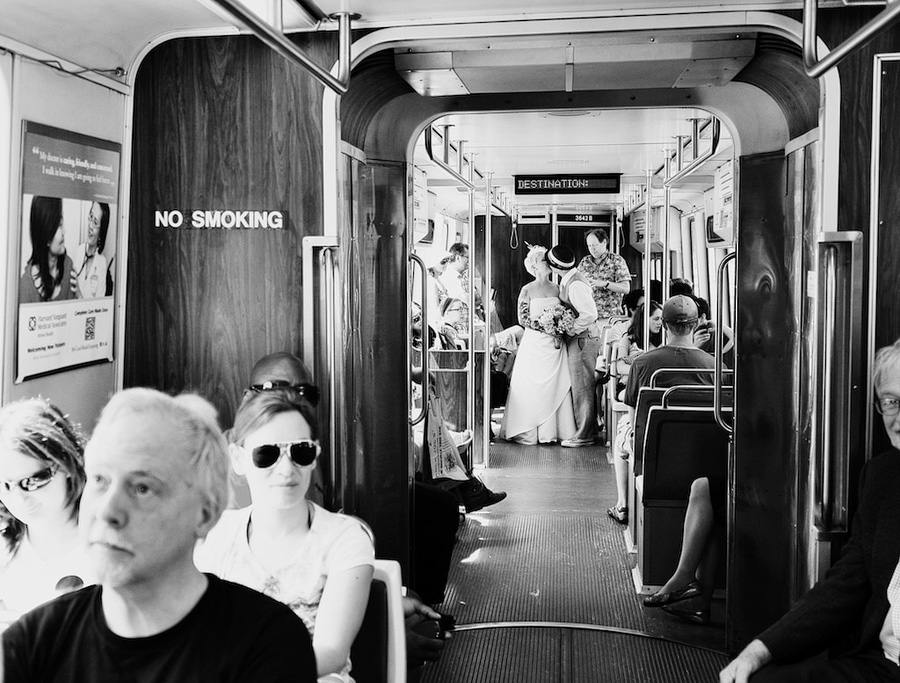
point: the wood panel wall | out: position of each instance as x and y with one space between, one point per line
508 258
855 175
220 123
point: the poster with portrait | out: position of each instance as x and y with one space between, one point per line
66 276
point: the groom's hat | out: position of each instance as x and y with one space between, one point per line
561 257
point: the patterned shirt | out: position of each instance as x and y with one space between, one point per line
609 267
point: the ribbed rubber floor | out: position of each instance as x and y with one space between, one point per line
549 553
551 655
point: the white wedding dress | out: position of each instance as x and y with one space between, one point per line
539 407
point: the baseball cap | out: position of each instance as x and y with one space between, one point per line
561 257
680 309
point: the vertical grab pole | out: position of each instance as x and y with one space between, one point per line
648 242
823 497
327 261
425 350
719 343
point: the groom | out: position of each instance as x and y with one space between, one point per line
575 292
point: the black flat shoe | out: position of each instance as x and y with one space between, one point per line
620 514
698 616
692 590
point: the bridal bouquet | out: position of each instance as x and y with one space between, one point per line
556 322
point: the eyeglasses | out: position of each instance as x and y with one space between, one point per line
36 481
302 453
889 405
308 391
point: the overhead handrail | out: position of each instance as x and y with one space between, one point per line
425 345
814 67
279 42
698 161
429 131
719 344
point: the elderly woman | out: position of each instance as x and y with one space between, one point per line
41 480
317 562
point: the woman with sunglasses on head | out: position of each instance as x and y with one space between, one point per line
41 480
317 562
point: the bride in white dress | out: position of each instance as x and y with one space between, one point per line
539 408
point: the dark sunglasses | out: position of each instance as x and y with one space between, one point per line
308 391
302 453
36 481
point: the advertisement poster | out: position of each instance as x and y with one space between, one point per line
70 189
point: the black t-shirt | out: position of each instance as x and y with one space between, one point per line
232 634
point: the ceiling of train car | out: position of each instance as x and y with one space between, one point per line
628 142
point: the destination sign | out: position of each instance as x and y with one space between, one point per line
595 183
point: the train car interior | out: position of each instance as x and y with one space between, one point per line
361 182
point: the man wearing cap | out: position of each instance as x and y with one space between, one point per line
680 317
575 292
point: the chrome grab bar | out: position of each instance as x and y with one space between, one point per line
698 161
839 378
327 262
429 132
814 67
279 42
719 342
425 346
328 246
823 504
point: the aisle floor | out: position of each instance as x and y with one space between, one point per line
550 554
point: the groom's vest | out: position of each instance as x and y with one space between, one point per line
564 295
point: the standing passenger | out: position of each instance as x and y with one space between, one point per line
157 481
606 272
581 347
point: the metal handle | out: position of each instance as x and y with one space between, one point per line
326 259
325 246
279 42
719 343
823 502
815 68
425 349
840 264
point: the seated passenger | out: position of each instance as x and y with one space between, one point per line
704 522
317 562
679 317
629 347
435 511
705 334
157 481
448 325
41 479
860 595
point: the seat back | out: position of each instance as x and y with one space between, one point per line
378 653
647 397
681 444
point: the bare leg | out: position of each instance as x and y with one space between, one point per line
621 467
698 538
